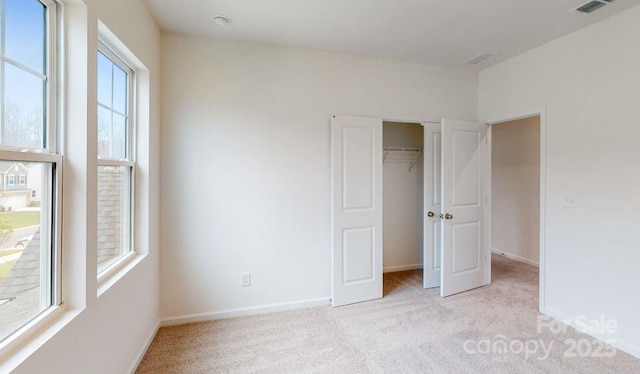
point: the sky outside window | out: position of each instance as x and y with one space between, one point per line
112 109
25 33
23 74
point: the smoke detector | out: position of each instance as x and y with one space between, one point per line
480 58
592 6
221 21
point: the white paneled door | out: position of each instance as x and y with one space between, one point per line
432 205
357 209
464 189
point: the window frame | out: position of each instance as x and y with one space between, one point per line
49 152
111 52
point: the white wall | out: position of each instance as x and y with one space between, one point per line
515 189
589 82
403 198
106 333
246 176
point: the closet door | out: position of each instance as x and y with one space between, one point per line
357 209
432 248
464 179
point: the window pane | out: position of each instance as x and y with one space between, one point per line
25 32
25 252
23 113
104 132
119 90
119 137
105 80
113 214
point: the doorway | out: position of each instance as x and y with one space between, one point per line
515 190
518 198
402 196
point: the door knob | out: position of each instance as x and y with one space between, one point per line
431 214
448 216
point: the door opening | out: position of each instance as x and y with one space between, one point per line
515 181
455 215
516 198
457 241
402 196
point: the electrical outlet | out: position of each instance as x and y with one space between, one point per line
570 201
246 279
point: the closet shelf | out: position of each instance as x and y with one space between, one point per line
409 155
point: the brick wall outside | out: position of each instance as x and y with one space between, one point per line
110 213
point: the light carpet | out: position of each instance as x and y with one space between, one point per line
410 330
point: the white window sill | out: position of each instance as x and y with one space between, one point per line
111 275
30 337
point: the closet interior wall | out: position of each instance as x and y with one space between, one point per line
402 196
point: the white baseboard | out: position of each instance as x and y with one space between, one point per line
515 257
392 269
622 345
144 350
240 312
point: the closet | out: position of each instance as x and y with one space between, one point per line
372 233
402 196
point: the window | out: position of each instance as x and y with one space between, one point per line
116 166
29 281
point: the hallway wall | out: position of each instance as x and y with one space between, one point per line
515 189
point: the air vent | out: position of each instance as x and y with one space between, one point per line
593 5
480 58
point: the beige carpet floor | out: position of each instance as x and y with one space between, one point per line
410 330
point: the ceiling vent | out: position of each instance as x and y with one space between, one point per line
480 58
593 5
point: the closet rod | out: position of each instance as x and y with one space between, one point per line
387 150
404 120
398 149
